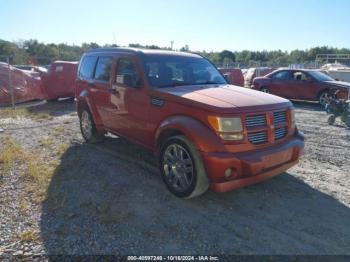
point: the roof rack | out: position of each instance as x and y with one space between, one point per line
114 49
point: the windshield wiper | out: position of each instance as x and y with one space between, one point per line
208 83
176 84
189 84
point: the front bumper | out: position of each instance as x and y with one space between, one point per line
254 166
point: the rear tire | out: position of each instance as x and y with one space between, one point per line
265 90
182 168
88 127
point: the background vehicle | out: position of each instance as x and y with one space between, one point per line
32 68
233 75
337 71
254 72
301 85
338 108
204 132
59 81
26 85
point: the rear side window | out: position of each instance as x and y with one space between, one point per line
283 75
103 68
87 66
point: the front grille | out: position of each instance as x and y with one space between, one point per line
280 133
255 121
258 128
257 137
279 117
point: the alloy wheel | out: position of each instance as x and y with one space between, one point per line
178 167
324 98
86 124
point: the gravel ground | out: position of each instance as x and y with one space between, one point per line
109 198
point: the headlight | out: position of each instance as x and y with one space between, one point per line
228 128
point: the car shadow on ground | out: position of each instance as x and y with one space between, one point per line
57 108
98 203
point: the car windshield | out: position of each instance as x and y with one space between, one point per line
319 76
175 70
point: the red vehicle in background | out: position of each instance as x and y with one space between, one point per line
233 75
26 85
59 81
299 84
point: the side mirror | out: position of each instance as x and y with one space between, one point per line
227 77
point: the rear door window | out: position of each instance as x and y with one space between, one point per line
283 75
87 67
103 68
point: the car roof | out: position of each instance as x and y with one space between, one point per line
295 69
139 51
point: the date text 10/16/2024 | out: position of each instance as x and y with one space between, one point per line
172 258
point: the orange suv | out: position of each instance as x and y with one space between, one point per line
204 132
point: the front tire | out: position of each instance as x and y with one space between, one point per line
88 128
265 90
182 168
324 97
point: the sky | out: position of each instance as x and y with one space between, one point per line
211 25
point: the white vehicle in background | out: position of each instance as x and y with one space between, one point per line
338 71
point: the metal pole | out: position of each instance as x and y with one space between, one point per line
10 84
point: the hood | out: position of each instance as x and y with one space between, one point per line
339 84
225 98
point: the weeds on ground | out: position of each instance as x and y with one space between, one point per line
28 236
13 113
58 130
35 170
46 142
24 206
40 116
24 113
11 154
61 148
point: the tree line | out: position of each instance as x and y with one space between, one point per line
27 51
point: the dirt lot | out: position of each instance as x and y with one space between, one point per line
59 195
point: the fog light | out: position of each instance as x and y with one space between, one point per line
228 172
232 137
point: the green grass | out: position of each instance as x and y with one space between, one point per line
28 236
11 154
